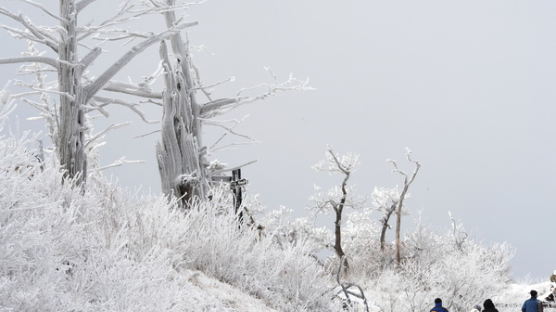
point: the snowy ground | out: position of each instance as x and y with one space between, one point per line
224 296
516 294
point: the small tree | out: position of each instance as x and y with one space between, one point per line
385 201
76 90
339 197
407 181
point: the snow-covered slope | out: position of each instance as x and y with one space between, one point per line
515 294
112 250
213 295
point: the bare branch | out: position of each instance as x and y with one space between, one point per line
103 132
133 107
118 163
234 168
31 59
83 4
217 105
44 9
96 85
147 134
228 129
42 36
125 88
90 57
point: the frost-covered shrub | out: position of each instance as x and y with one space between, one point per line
110 250
463 273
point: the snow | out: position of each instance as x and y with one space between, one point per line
225 297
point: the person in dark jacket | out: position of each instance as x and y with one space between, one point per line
532 304
488 306
438 306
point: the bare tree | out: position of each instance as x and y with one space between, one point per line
385 200
407 181
76 90
337 198
182 155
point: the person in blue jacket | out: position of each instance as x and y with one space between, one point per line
532 304
438 306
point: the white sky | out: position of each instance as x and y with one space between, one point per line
467 85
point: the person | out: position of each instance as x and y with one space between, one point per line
488 306
532 304
438 306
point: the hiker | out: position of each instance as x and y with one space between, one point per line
489 306
532 304
438 306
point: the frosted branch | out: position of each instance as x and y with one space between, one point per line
103 132
221 105
41 35
95 86
31 59
121 161
130 89
90 57
132 106
82 4
44 9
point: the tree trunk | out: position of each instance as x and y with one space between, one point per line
338 235
385 226
181 171
181 156
338 238
70 136
398 235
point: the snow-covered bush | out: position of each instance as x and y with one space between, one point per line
452 266
111 250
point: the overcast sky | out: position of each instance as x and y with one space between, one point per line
469 86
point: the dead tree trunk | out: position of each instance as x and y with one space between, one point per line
338 235
385 225
181 157
181 171
70 146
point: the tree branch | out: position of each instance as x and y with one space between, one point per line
44 9
96 85
83 4
216 105
131 106
39 34
90 57
125 88
31 59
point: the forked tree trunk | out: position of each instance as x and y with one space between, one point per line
181 170
70 145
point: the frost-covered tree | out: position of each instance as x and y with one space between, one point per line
407 181
182 154
70 53
385 201
338 197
